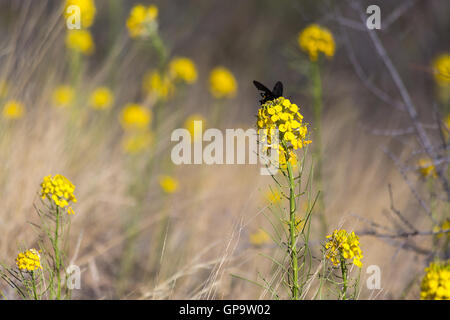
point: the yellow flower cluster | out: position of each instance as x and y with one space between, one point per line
135 117
135 120
29 260
168 184
259 238
183 69
63 96
80 41
441 66
102 98
343 245
158 84
87 11
315 39
142 21
222 83
282 115
273 196
13 110
59 190
426 168
162 84
436 282
442 227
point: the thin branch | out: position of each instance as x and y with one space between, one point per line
411 187
397 212
409 105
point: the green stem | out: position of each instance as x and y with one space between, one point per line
292 233
33 284
57 254
344 279
160 48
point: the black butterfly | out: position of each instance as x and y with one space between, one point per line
267 94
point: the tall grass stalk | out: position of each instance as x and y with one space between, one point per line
316 90
292 231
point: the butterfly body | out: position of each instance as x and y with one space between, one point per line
267 94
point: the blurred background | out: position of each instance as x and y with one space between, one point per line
145 228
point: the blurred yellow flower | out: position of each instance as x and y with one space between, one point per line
443 227
168 184
441 67
59 190
183 69
259 238
136 142
315 39
436 282
80 41
189 125
4 87
158 84
222 83
135 117
299 223
63 96
426 168
102 98
13 110
87 11
142 20
274 196
343 245
29 260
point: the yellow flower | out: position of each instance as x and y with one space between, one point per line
436 282
137 142
183 69
299 224
282 115
87 11
13 110
274 196
426 168
63 96
158 84
189 125
80 41
315 39
135 117
342 246
222 83
441 67
259 238
29 260
442 227
4 87
58 190
168 184
102 98
142 21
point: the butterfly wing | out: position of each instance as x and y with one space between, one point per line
261 87
278 89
